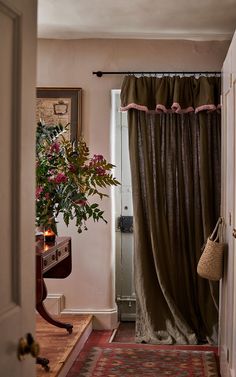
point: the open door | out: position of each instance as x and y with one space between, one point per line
17 129
125 292
228 285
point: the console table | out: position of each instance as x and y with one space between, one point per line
52 261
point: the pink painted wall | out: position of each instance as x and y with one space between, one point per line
69 63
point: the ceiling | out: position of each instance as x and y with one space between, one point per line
144 19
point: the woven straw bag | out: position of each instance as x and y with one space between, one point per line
210 265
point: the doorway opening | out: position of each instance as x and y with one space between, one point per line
123 212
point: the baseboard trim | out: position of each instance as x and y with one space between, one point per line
129 317
102 319
55 303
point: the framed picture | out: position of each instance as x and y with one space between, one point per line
61 105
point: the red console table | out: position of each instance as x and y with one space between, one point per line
52 261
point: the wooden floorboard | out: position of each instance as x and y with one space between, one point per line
57 345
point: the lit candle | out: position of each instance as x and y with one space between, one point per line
49 236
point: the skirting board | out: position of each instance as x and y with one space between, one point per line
128 317
55 303
102 319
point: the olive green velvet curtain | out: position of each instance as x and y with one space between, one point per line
175 168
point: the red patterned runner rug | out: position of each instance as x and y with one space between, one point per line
146 362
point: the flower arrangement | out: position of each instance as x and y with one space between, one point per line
66 177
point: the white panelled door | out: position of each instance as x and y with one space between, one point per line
17 129
228 285
233 330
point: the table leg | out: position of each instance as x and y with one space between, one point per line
44 313
44 362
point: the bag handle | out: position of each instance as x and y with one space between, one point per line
215 232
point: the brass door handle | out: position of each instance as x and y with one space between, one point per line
234 233
27 345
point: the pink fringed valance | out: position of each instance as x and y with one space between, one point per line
171 94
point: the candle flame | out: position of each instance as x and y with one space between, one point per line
49 232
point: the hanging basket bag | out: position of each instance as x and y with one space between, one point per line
210 265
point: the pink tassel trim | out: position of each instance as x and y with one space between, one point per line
205 107
175 108
134 106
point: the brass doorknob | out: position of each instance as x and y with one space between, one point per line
27 345
234 233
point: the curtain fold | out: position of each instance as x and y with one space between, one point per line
175 169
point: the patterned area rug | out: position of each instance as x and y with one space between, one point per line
146 362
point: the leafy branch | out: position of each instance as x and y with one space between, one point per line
66 177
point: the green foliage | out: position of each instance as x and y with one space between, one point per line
66 176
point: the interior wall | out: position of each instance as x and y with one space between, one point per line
69 63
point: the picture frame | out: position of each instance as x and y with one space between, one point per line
60 105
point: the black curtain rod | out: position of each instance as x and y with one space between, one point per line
101 73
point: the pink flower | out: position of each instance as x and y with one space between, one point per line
81 202
47 195
72 168
55 147
60 178
100 170
97 157
39 190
